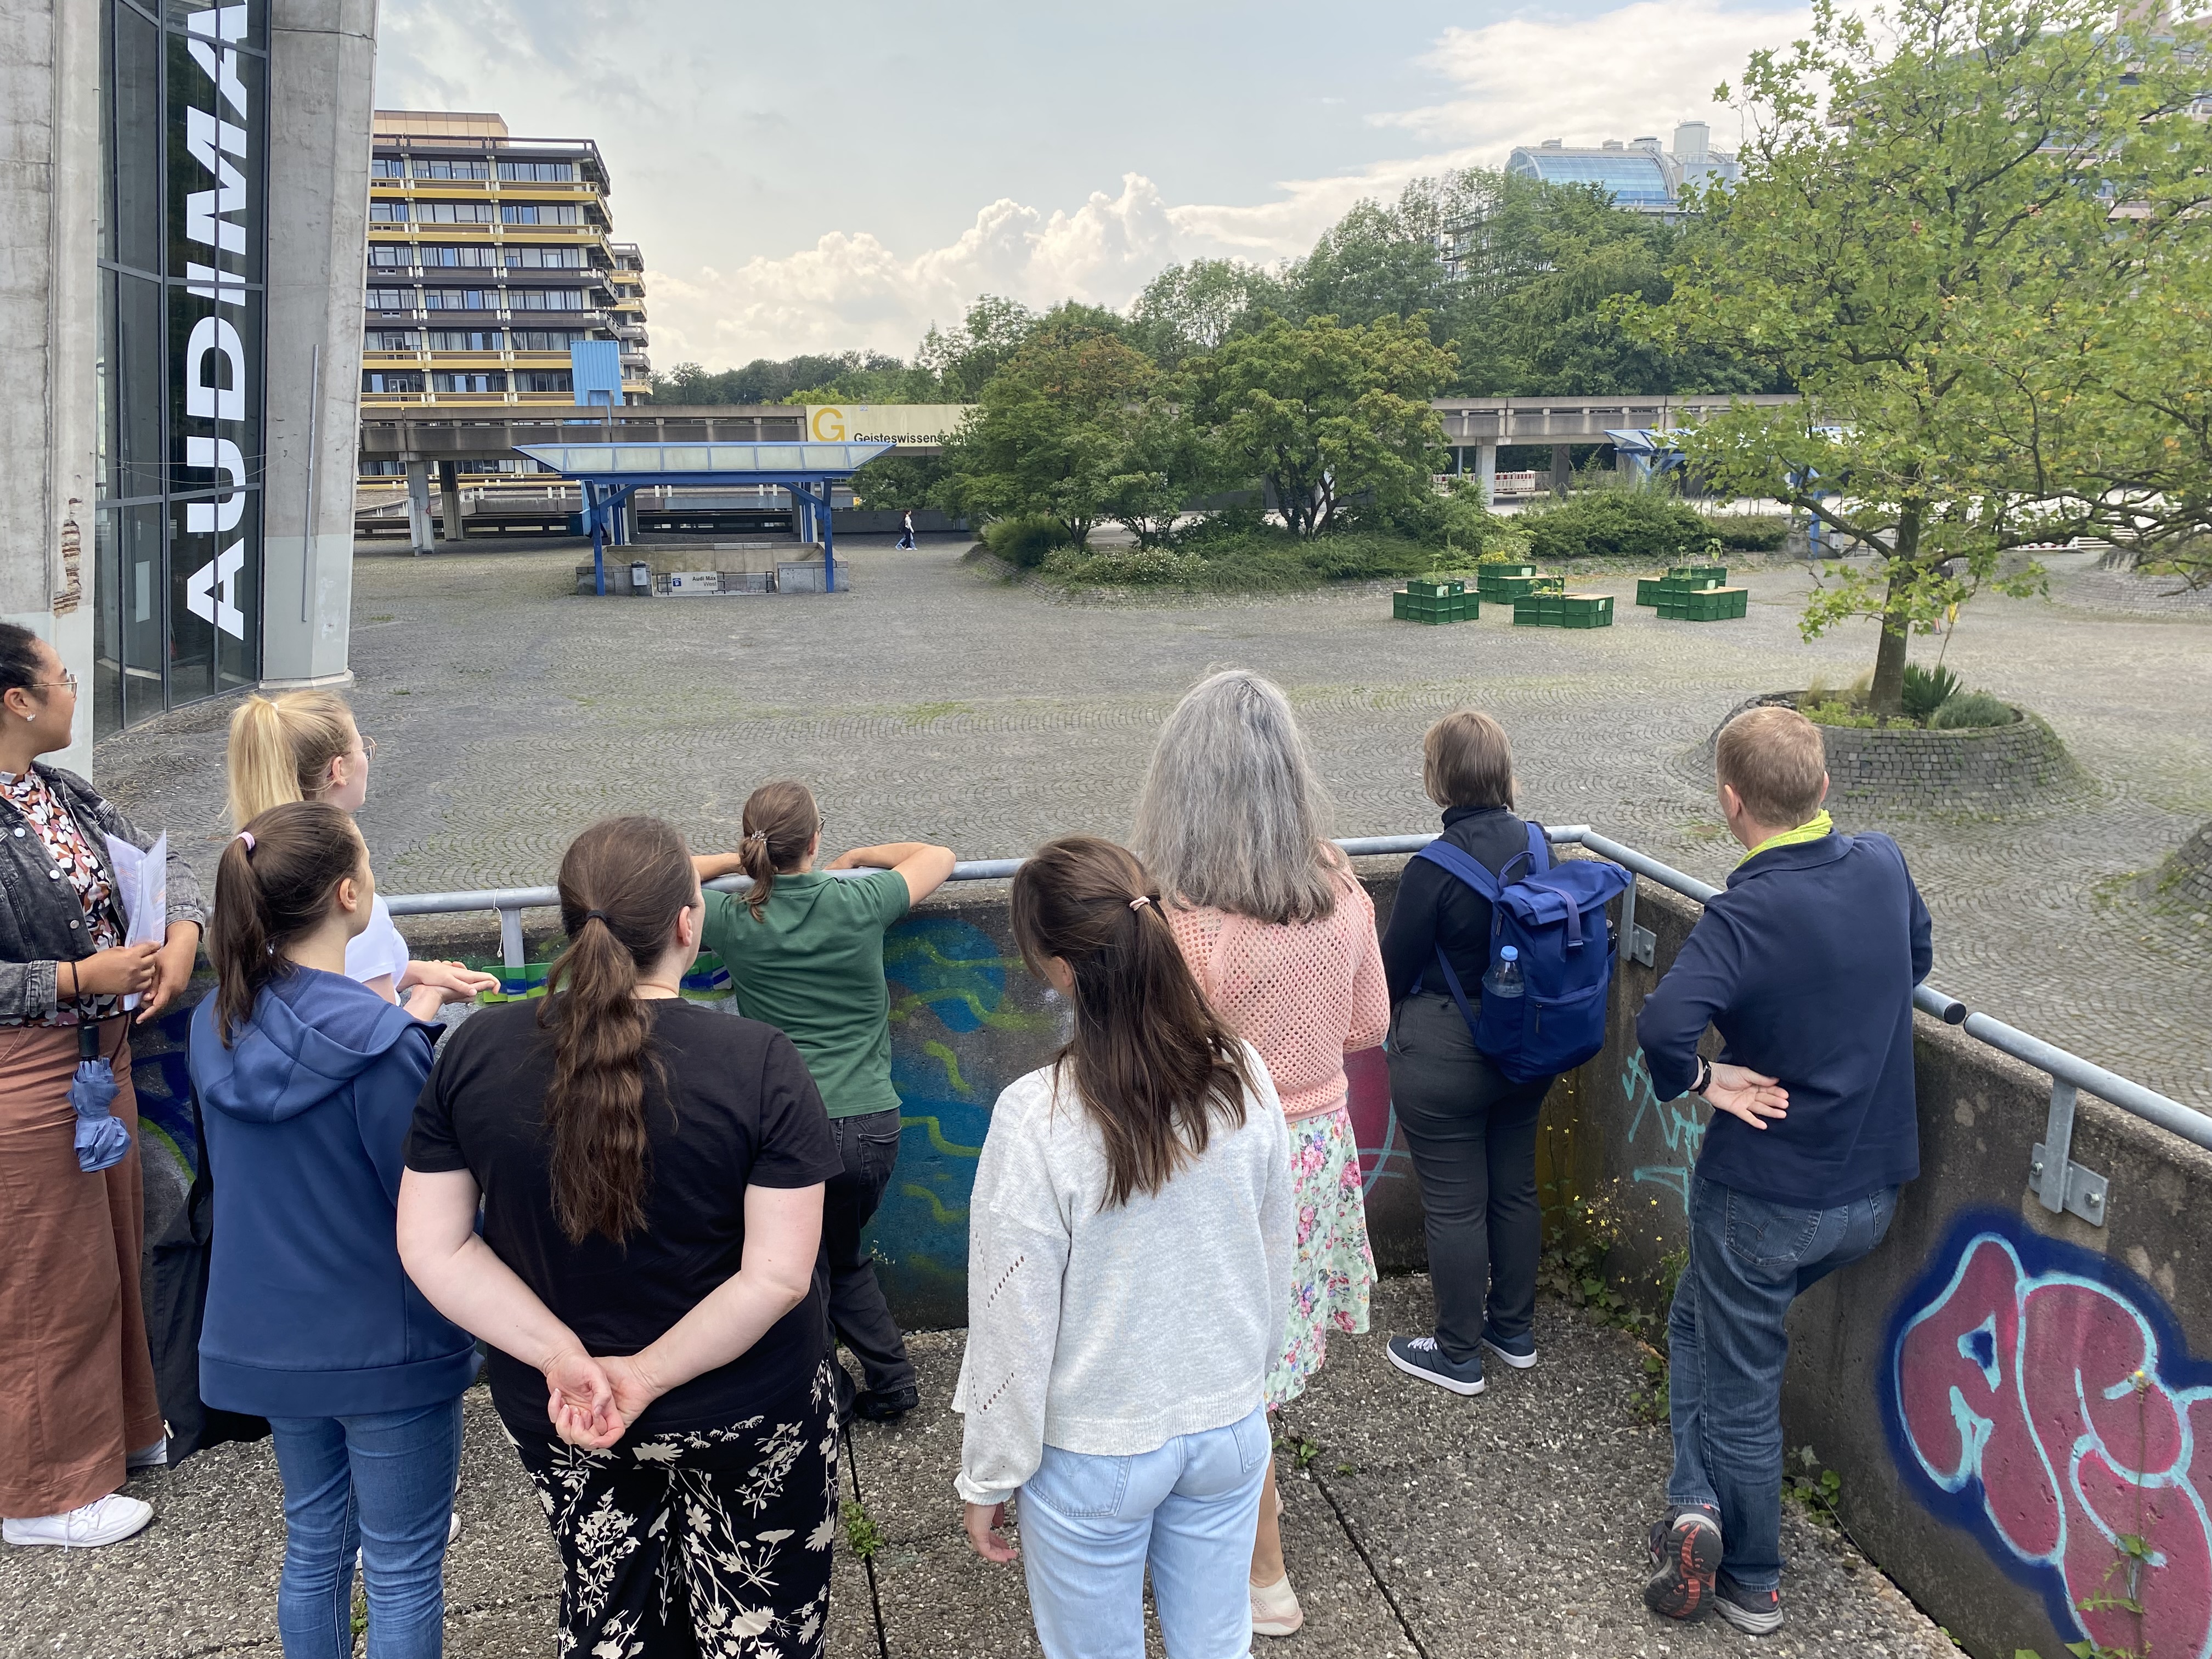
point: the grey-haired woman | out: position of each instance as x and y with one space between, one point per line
1233 825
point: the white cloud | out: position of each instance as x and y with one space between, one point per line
1636 69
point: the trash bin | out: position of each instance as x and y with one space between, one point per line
640 577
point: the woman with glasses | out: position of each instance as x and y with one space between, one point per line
77 1405
304 745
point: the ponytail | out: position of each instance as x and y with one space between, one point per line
1152 1062
780 823
281 749
622 882
274 884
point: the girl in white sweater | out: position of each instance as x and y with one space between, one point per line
1129 1262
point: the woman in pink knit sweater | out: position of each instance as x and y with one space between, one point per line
1281 936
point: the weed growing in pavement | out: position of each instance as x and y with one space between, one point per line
1812 1488
1303 1451
861 1535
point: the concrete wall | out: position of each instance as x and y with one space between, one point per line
2002 1391
322 73
49 206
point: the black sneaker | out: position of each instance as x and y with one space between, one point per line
1686 1559
1419 1356
1755 1613
886 1407
1519 1352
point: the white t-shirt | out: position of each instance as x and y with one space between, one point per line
378 949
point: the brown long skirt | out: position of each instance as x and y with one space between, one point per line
76 1383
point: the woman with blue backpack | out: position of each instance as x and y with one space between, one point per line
1470 1054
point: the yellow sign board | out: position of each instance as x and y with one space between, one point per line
879 423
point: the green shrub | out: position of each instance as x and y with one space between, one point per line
1616 524
1748 532
1024 542
1130 567
1973 708
1836 713
1244 523
1927 690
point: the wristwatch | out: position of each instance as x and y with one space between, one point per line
1704 1076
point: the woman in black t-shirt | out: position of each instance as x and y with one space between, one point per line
651 1173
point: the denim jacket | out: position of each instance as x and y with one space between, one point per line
41 921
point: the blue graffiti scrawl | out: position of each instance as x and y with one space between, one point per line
1682 1130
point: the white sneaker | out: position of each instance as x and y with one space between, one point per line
156 1457
104 1521
1275 1609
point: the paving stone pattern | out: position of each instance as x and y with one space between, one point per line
1420 1525
933 701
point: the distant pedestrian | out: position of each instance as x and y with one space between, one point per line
1280 935
78 1409
804 950
309 1081
1471 1129
906 534
1128 1260
1806 965
304 745
650 1173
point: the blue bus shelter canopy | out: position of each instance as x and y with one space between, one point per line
625 465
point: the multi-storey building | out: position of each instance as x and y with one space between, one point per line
489 257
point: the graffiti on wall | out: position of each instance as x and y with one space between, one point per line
1676 1130
2044 1399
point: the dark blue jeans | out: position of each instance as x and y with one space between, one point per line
1749 1260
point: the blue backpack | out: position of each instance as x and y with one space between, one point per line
1554 916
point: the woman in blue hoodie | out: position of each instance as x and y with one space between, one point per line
307 1081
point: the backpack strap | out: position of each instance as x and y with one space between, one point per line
1461 863
1540 850
1458 992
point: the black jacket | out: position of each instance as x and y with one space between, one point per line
1436 906
41 921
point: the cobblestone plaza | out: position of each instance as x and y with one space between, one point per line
934 702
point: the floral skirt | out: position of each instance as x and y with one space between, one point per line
712 1542
1333 1270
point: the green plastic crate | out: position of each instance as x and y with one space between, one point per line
1586 611
1429 590
1434 610
1706 605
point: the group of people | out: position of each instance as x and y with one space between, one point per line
650 1217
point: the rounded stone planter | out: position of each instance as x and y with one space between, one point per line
1986 772
2184 881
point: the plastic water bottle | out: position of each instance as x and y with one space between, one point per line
1504 979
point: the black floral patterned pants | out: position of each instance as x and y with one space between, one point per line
708 1541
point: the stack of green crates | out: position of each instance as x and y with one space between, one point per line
1680 578
1562 610
1435 602
1505 582
1704 605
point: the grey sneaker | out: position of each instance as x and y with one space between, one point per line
1419 1356
1686 1559
1755 1613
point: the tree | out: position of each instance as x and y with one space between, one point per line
963 361
1161 461
1897 248
1048 430
1188 309
1324 413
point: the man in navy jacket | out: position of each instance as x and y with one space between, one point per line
1806 965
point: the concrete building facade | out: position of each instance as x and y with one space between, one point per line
177 326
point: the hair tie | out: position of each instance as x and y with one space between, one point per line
597 915
246 835
760 836
1140 901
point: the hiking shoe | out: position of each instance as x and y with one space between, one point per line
1419 1356
1519 1352
1686 1558
1755 1613
885 1407
1275 1609
106 1520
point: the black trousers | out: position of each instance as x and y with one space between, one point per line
847 1270
1472 1134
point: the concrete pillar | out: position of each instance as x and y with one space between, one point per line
1562 470
418 507
49 179
322 68
449 491
1485 473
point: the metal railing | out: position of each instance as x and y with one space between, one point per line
2058 1181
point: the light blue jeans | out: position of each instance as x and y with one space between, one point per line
382 1485
1090 1526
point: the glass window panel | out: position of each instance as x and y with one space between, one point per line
134 372
255 37
215 166
215 599
134 137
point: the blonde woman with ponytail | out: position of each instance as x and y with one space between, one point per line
651 1178
304 745
805 949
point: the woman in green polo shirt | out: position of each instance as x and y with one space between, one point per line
805 953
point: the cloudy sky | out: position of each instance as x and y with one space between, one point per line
809 178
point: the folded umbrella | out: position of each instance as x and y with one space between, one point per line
102 1139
